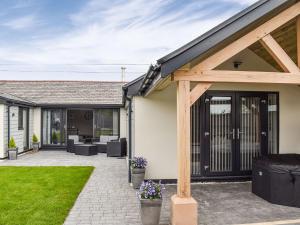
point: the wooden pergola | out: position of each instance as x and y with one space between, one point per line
184 207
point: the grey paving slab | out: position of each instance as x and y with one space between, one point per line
107 198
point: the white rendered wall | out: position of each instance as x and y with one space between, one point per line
155 125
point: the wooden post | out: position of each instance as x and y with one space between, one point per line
183 139
184 207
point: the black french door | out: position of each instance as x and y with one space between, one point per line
235 131
53 128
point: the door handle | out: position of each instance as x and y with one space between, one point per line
238 133
233 134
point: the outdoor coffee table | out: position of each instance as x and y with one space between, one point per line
101 147
86 149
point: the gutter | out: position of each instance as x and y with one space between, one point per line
8 124
129 136
151 75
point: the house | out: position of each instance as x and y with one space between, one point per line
55 109
205 110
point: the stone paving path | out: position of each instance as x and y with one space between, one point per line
107 198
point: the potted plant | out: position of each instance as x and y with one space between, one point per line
35 143
54 137
150 196
138 168
12 149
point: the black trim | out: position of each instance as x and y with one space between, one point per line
216 38
8 124
129 136
221 178
93 106
227 31
11 101
197 179
52 147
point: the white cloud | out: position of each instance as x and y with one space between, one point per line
21 23
241 2
138 31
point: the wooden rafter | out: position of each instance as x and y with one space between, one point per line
197 91
249 39
279 55
224 76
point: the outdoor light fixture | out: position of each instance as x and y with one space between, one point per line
236 64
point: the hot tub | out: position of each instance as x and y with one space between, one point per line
276 178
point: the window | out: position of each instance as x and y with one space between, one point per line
107 122
273 124
20 119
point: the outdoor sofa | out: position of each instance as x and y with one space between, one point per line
276 178
99 143
102 143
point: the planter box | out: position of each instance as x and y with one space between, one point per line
150 211
137 177
12 153
36 146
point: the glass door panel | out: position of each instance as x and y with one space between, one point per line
25 112
220 133
54 129
56 122
249 132
106 122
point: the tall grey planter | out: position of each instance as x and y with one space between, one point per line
137 177
150 211
35 146
12 153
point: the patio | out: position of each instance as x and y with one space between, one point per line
108 199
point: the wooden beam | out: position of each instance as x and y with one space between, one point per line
298 39
197 91
249 39
278 54
183 139
224 76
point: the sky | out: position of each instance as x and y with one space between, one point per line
93 39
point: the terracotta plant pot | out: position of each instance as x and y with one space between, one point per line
137 177
150 211
36 146
12 153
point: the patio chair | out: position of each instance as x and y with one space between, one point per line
71 142
70 146
117 148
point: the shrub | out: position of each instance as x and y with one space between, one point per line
150 190
54 136
35 139
12 143
138 162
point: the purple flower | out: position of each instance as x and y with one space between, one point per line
150 190
138 162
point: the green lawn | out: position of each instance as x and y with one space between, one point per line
39 195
